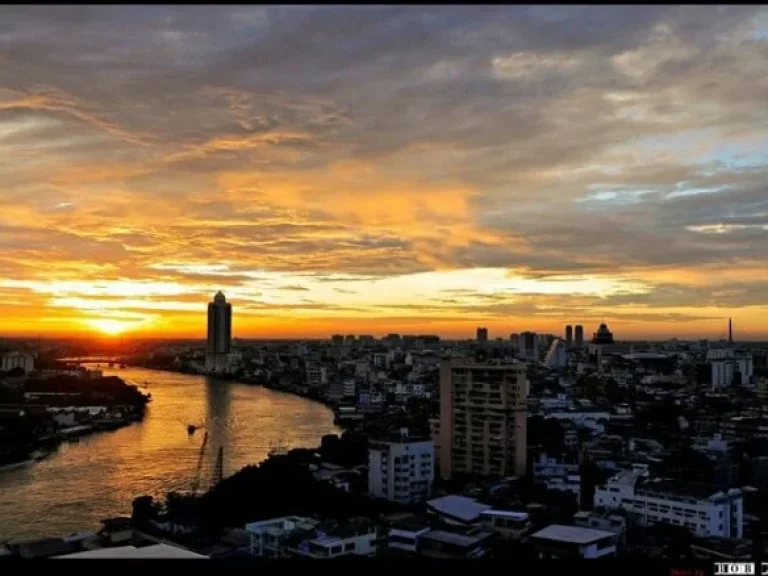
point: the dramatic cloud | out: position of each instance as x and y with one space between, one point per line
384 168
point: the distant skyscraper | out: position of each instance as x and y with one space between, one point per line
602 336
579 340
219 334
482 335
529 345
569 335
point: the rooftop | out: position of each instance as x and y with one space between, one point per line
506 514
572 534
410 524
696 490
459 507
457 539
159 551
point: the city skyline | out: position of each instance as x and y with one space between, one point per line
429 170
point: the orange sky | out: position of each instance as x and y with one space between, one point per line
384 170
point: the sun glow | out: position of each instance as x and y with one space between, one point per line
111 327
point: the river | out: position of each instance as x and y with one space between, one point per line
83 483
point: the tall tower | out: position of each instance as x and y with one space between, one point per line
483 419
579 335
219 334
730 331
569 335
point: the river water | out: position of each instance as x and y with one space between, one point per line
83 483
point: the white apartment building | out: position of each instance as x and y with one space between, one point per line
12 360
703 510
401 469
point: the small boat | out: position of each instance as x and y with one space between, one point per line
191 429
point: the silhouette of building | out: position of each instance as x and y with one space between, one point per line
602 336
579 335
569 335
219 334
482 335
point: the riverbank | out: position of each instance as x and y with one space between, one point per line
299 391
100 475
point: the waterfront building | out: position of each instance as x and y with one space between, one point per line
482 418
219 343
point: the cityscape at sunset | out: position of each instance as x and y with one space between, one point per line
385 283
384 169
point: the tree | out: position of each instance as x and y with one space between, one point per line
145 509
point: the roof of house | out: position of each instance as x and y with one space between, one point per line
571 534
163 551
459 507
43 548
457 539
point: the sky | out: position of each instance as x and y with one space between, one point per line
364 169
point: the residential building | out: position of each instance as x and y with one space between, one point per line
405 534
702 509
507 525
457 510
152 552
219 341
401 469
741 427
483 417
11 360
334 541
440 544
602 521
571 542
269 536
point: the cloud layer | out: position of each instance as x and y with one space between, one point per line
344 169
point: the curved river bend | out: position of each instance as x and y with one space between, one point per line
83 483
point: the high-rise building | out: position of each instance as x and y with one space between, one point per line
482 335
569 335
483 413
219 334
579 337
529 346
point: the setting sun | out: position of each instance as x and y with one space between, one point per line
110 327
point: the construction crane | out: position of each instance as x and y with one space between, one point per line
198 470
218 473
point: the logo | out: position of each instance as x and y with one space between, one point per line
735 568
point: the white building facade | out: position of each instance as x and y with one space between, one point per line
703 512
402 470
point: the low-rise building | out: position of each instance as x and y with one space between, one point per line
564 542
457 510
354 539
152 552
269 536
702 509
507 525
405 534
441 544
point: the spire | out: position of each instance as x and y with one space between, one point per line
730 331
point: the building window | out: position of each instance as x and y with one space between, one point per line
349 547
